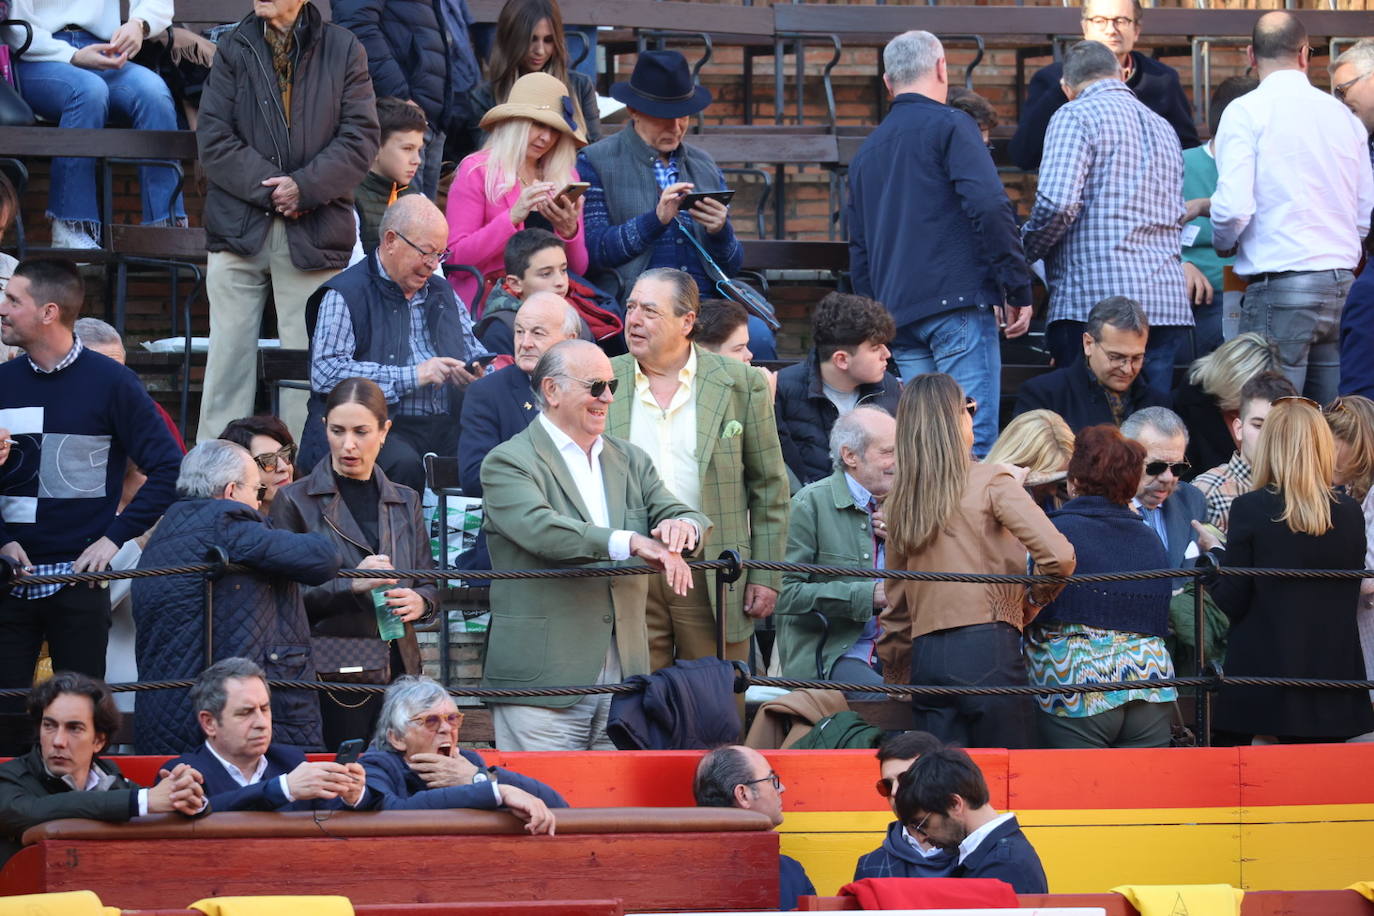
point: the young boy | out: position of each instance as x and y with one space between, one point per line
536 262
398 159
847 366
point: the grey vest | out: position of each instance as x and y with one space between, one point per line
626 166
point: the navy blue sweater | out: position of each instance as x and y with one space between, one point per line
930 227
1109 538
74 432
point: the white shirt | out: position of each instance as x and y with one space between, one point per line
974 839
924 852
591 485
1294 184
99 17
242 781
670 436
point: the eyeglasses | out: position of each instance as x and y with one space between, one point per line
921 827
971 405
261 488
1341 89
1299 398
433 722
772 777
431 258
1120 23
268 461
1122 360
886 787
597 387
1155 468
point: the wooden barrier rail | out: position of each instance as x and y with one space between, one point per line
1256 903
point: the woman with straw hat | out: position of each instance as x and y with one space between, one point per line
514 181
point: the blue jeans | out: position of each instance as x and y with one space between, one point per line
1357 337
431 160
1301 313
963 344
762 342
1064 340
77 97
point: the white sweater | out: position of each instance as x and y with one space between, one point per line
99 17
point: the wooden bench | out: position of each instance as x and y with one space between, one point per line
467 908
1256 903
653 858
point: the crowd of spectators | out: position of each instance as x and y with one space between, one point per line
605 414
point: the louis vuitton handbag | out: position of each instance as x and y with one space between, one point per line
352 659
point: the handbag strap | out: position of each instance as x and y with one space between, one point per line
712 268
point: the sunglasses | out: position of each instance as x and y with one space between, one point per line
1299 398
598 387
1155 468
433 722
886 787
971 406
268 461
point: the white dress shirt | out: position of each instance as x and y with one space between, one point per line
591 485
975 839
1294 185
670 435
242 781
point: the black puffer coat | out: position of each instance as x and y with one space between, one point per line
258 615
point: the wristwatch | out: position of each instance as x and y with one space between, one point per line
480 777
146 30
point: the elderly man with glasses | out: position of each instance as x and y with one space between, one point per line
1351 84
1167 503
1116 24
422 362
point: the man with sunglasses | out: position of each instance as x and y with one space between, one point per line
560 493
244 768
1351 84
1167 503
422 363
903 853
1115 23
1293 201
735 776
258 613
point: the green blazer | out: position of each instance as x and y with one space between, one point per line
554 632
829 530
743 478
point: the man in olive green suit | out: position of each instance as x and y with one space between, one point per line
707 422
562 494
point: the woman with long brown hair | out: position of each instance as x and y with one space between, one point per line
1295 628
946 513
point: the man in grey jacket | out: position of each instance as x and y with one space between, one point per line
288 128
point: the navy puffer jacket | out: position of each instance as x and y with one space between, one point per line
257 615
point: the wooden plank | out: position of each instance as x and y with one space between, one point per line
1200 778
785 254
1306 774
100 143
465 908
807 149
1256 903
720 19
170 242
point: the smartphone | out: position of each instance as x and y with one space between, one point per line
479 365
573 190
349 751
691 200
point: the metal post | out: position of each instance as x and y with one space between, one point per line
1204 696
219 559
725 577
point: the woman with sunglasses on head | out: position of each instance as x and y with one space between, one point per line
415 762
274 451
516 181
946 513
1294 628
376 524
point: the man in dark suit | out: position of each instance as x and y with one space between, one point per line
1105 386
943 800
243 770
1166 503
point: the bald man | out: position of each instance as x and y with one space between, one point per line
394 319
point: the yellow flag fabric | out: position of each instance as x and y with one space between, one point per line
274 906
1363 888
1183 899
68 903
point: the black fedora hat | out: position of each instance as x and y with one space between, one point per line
661 86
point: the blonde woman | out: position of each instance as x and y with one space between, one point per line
947 514
516 181
1300 628
1351 418
1210 399
1042 443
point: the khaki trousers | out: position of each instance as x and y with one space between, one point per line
579 727
238 287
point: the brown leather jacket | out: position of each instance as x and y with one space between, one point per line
313 503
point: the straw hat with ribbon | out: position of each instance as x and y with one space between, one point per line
540 98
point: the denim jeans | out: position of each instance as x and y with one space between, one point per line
77 97
1301 313
981 655
762 342
962 343
431 161
1064 340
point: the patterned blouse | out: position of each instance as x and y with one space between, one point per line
1059 654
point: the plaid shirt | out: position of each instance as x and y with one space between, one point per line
665 174
1107 208
1223 484
335 343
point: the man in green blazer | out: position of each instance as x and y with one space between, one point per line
707 422
562 494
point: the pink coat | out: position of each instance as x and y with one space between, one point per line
478 228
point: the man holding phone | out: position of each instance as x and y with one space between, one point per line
640 219
244 770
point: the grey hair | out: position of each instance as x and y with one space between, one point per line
911 56
1161 419
553 364
717 775
850 432
1121 312
210 467
1360 55
1088 61
407 697
572 321
687 296
94 332
208 693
